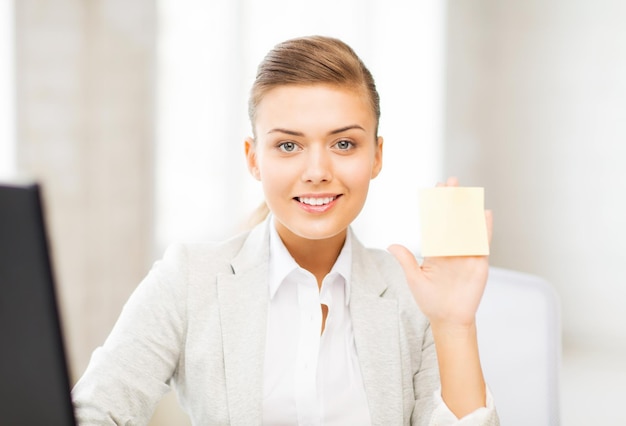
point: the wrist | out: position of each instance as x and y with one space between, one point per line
462 383
453 329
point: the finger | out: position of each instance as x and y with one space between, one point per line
452 181
489 220
405 257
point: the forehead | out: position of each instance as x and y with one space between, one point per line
314 106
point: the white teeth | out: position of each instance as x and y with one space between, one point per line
315 201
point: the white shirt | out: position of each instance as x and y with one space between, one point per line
313 379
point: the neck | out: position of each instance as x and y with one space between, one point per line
316 256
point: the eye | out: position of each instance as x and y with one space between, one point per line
287 146
344 145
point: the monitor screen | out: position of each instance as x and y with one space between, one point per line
34 382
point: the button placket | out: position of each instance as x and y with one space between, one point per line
308 350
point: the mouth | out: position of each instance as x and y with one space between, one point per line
316 201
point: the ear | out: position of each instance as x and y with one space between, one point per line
251 159
378 158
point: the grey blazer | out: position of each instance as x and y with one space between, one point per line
198 322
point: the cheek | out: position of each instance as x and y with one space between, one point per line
358 173
275 178
364 184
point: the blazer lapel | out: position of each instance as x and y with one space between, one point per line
376 335
243 300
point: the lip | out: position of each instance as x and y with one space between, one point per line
317 208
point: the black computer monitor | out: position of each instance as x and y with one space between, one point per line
34 381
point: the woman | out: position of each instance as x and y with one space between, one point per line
295 322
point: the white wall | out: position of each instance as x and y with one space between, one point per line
536 113
84 126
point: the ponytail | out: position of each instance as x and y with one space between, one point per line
257 216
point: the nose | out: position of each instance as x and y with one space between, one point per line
318 166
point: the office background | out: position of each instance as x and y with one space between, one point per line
132 114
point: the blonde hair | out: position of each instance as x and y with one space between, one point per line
304 61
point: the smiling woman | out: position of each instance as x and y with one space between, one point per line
7 101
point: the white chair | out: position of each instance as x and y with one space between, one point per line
519 336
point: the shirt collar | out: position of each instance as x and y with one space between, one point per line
281 263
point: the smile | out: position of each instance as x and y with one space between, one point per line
312 201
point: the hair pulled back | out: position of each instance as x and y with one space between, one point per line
312 60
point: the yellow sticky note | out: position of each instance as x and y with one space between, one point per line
453 222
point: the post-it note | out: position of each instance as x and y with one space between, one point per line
453 222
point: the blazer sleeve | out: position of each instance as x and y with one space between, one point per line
129 374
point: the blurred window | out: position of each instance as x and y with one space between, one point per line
7 85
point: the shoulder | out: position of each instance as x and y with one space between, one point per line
384 266
199 261
188 255
385 274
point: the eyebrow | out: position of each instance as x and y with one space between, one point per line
332 132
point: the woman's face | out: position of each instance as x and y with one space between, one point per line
315 154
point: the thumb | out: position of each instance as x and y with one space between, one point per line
406 259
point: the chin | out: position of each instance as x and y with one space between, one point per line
320 231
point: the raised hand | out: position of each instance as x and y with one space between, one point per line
448 290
